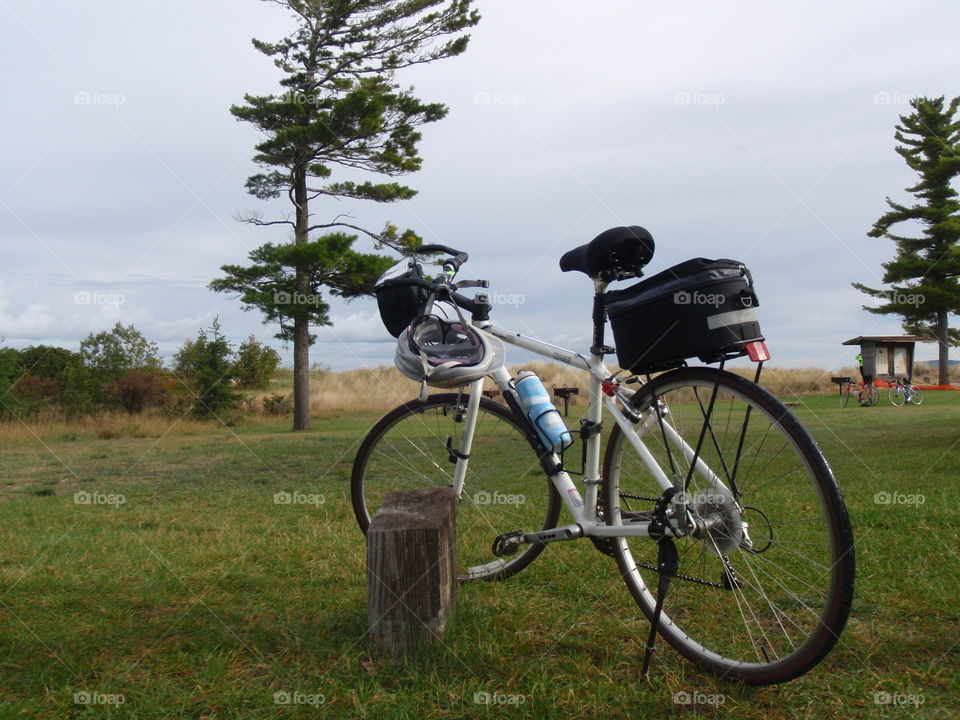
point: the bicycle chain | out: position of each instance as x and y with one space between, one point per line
679 576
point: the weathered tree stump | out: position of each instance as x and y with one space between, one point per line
411 568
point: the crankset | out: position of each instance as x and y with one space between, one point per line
508 543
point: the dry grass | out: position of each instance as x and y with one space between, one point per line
383 388
108 426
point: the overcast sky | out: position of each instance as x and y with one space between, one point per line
752 130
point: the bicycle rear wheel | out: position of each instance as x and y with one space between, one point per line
505 487
916 396
761 613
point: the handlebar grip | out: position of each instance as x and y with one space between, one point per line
455 262
457 258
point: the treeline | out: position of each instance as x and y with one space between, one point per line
120 368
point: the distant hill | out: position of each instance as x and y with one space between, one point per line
936 363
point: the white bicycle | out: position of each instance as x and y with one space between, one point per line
724 518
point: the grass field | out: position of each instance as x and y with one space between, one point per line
149 572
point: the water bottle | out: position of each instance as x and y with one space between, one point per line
536 404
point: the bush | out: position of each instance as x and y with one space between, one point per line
278 404
255 364
206 365
138 389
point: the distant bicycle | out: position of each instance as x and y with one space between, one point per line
903 392
866 393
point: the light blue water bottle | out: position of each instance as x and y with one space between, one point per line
535 402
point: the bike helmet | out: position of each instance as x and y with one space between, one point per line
446 354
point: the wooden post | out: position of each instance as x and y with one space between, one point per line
411 568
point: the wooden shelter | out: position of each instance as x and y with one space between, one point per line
887 357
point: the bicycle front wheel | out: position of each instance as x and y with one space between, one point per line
505 487
762 596
897 396
844 397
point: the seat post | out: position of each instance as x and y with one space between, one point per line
599 318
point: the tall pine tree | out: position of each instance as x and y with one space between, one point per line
340 108
923 276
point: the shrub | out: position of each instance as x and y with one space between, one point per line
138 389
255 364
278 404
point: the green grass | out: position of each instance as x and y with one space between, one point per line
198 596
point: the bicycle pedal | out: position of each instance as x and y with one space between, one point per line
508 543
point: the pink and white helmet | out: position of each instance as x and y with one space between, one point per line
446 354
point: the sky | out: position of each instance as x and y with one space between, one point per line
750 130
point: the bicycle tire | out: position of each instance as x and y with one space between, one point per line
873 395
916 396
407 449
844 397
897 396
794 589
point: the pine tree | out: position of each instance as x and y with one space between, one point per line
923 276
340 108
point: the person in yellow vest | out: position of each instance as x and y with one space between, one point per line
859 358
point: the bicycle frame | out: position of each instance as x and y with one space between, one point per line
583 508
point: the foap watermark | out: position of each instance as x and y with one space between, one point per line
298 498
498 698
882 697
95 297
698 298
296 97
485 97
482 497
888 97
499 298
83 497
295 697
898 498
687 697
895 297
88 697
695 97
85 97
296 298
707 497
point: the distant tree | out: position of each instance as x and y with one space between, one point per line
923 276
11 369
206 365
340 107
47 361
255 363
123 348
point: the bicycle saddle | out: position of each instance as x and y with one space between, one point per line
617 254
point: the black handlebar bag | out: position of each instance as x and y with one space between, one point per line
400 304
700 308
